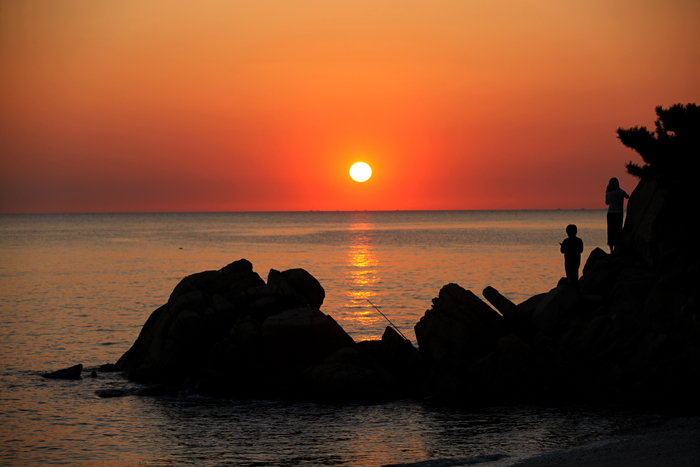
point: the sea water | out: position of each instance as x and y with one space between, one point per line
77 288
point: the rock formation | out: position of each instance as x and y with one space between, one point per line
72 372
630 334
229 333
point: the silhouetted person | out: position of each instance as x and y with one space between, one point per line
572 248
615 199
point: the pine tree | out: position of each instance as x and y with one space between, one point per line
672 150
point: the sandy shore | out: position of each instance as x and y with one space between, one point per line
676 443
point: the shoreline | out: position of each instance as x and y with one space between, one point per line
674 443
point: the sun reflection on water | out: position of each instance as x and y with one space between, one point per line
362 278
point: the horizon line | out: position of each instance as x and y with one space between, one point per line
294 211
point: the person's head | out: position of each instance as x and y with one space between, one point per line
613 184
571 230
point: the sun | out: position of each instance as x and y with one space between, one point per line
360 172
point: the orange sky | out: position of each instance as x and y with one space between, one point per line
112 106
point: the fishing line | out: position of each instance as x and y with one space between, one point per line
379 311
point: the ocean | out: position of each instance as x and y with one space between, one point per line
77 288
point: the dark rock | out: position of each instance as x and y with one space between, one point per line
247 334
445 387
402 358
72 372
178 336
398 355
629 333
348 374
501 303
644 211
518 316
528 307
93 374
660 226
303 285
235 372
108 368
628 295
108 393
154 390
458 329
517 372
669 311
593 337
555 307
498 367
347 381
594 259
225 333
302 335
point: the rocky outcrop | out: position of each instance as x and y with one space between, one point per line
302 335
458 329
634 343
177 338
661 229
629 334
72 372
230 333
407 366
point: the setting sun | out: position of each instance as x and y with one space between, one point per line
360 172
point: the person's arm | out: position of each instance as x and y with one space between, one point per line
607 199
625 193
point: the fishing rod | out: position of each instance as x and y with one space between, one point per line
379 311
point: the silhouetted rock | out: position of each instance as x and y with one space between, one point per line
515 316
108 368
347 374
443 386
177 337
302 335
660 227
528 307
459 328
554 308
72 372
109 393
399 357
630 332
154 390
501 303
229 333
299 283
403 359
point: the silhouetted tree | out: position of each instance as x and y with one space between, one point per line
672 150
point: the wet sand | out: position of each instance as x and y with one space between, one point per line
676 443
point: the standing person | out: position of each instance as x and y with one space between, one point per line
615 199
572 248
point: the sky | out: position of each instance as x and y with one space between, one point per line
263 105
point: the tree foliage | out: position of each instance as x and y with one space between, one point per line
672 150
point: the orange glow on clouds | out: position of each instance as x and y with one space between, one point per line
181 106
